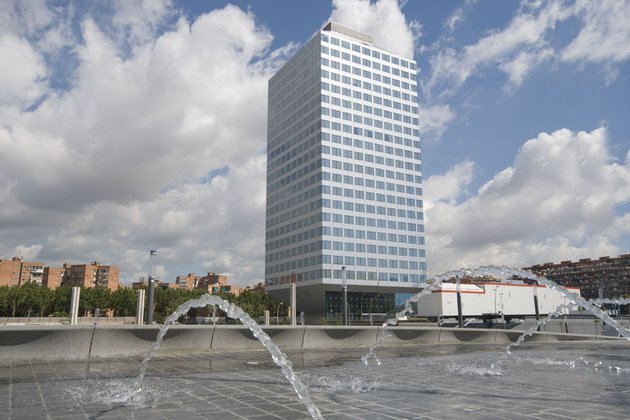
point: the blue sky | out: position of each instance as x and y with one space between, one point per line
127 126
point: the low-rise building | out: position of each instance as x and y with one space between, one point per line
53 276
188 282
17 272
612 275
91 275
212 283
492 299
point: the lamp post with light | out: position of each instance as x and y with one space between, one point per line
150 288
278 313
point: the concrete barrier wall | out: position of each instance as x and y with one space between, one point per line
339 337
79 342
412 336
137 341
33 343
230 337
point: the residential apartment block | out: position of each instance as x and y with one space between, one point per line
344 175
612 275
53 276
212 283
16 272
188 281
91 275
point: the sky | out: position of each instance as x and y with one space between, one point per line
127 126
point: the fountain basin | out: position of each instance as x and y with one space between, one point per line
82 342
434 381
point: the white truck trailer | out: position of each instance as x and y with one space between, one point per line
491 300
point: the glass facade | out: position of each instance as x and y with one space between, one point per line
344 171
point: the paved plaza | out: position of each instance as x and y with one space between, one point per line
545 381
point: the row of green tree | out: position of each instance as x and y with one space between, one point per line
34 300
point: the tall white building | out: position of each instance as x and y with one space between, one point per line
344 176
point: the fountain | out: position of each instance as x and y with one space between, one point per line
438 381
503 273
234 312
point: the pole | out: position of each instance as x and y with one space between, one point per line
344 287
536 306
151 289
460 316
74 306
293 304
140 307
278 313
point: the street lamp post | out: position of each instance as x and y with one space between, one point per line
460 315
536 306
278 313
344 286
151 289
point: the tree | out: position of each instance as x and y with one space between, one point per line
94 297
5 307
60 302
30 299
255 303
123 302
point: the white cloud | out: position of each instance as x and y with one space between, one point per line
22 74
383 19
107 169
449 187
526 30
25 18
137 21
524 43
434 120
29 253
605 35
557 201
454 19
518 67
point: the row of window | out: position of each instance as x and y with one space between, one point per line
413 175
348 179
366 62
359 248
314 246
371 134
304 171
359 181
357 143
298 167
371 183
350 275
376 197
273 218
285 152
359 107
305 112
368 121
304 205
369 52
368 145
371 85
378 159
355 71
375 99
299 69
326 259
317 233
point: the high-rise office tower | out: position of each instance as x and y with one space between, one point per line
344 176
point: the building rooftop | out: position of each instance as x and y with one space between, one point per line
336 27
